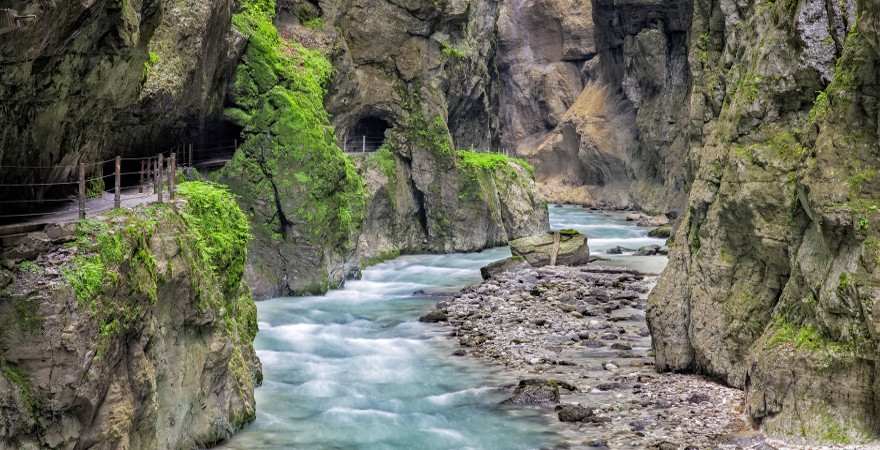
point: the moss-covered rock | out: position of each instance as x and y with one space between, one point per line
772 280
573 249
303 195
137 332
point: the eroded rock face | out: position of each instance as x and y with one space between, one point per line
475 208
543 51
86 81
611 131
424 90
771 284
158 355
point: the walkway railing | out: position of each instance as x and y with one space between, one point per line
132 181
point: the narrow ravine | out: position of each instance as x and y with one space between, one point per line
354 368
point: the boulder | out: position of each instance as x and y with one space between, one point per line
663 231
649 250
573 413
618 250
574 249
498 267
437 315
537 392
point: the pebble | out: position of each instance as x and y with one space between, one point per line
569 321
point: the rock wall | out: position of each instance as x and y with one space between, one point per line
86 81
429 83
546 51
490 200
596 99
772 280
130 331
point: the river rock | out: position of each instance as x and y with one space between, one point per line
649 250
537 392
574 249
663 231
504 265
573 413
437 315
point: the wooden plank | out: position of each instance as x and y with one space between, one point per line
159 163
117 192
172 169
82 191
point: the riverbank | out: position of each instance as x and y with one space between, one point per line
585 328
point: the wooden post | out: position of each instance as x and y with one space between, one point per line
190 159
364 144
151 168
117 194
172 169
82 191
141 184
159 179
554 253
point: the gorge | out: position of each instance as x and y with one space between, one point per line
364 130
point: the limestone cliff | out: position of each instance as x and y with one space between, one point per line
491 200
773 275
307 202
133 330
595 97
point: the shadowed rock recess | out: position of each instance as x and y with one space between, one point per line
772 284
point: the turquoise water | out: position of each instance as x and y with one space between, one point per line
355 370
605 230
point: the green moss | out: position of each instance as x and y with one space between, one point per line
289 152
220 228
17 378
110 258
844 281
452 52
488 161
29 267
808 338
384 160
416 131
832 431
569 232
27 314
152 60
785 146
819 109
380 258
315 23
703 48
857 180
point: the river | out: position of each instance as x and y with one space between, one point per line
354 369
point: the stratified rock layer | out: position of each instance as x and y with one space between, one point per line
773 274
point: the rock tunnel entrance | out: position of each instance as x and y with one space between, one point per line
367 135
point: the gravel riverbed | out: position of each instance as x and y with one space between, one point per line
581 332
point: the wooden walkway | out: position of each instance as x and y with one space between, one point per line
130 198
71 208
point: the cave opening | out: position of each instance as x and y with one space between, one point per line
367 135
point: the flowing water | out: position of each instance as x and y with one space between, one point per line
355 370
